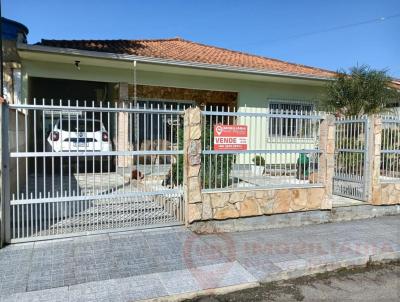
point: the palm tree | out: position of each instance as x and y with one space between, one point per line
363 90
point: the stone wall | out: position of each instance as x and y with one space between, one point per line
387 194
327 156
225 205
375 153
218 206
206 206
192 159
382 193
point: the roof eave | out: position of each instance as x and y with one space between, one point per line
161 61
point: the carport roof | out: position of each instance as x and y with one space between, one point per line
184 50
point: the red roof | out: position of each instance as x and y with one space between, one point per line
183 50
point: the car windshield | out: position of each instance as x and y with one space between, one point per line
79 125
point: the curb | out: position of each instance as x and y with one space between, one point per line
318 269
286 275
205 292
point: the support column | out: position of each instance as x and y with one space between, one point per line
192 165
327 158
122 141
375 160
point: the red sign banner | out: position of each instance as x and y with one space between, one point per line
230 137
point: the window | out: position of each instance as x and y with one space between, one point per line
290 127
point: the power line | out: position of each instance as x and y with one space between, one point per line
340 27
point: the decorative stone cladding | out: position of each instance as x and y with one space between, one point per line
225 205
246 203
192 159
200 97
382 193
388 194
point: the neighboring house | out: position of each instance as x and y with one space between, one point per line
395 108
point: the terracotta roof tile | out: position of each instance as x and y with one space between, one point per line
183 50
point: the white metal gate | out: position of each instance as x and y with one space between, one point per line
79 168
351 157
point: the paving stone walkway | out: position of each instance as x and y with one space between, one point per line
155 263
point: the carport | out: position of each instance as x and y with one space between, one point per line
78 188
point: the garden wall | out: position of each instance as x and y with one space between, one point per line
238 203
383 192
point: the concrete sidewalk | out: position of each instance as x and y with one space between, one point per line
175 262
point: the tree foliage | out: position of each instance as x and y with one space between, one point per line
360 91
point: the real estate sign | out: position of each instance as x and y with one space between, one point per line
230 137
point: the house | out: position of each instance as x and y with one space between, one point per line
167 72
144 183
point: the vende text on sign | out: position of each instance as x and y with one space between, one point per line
230 137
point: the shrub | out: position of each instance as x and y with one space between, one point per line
258 160
363 90
216 168
175 174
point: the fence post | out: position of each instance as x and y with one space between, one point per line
122 141
4 175
375 160
327 159
192 165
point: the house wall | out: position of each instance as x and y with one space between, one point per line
57 89
253 95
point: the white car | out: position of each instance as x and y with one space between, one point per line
78 135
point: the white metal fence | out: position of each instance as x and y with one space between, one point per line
94 167
282 149
351 160
77 167
390 149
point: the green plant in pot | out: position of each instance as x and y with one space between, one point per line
259 165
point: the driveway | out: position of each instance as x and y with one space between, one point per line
94 206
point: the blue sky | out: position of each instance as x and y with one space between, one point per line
276 29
